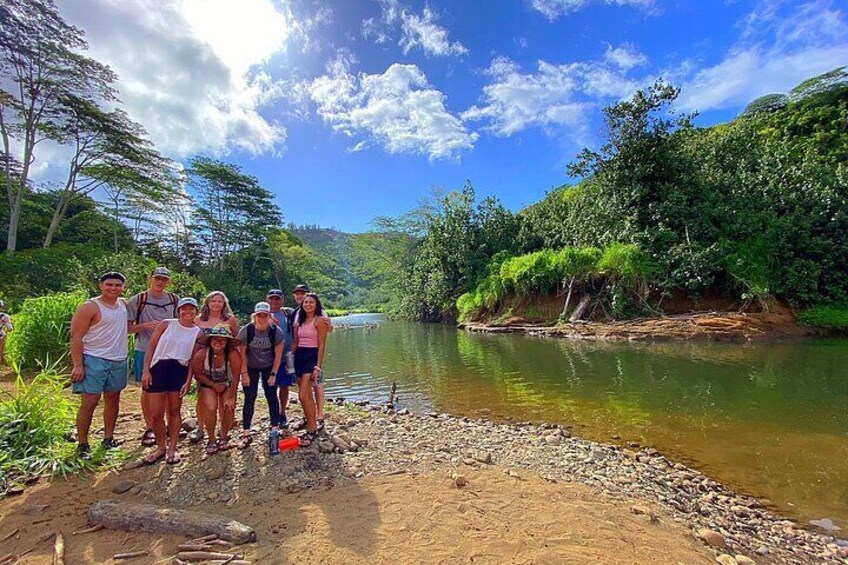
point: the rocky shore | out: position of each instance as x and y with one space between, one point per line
374 441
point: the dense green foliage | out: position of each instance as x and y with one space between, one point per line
34 422
751 209
833 316
42 330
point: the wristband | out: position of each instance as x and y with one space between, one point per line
272 374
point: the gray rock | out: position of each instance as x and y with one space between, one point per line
123 487
484 457
189 424
553 439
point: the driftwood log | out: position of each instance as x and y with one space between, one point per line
134 517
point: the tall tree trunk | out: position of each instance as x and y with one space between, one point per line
582 306
14 217
567 299
58 216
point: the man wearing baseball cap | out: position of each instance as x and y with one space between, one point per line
283 317
145 312
99 355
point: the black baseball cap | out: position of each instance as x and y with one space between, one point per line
112 275
301 288
275 292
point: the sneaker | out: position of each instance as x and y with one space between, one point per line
274 442
84 451
109 443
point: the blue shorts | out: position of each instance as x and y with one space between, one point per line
138 365
286 379
101 375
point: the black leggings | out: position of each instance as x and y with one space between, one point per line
250 393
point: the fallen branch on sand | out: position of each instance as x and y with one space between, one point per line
130 555
10 534
135 517
206 556
90 530
59 550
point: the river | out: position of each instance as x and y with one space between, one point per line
769 420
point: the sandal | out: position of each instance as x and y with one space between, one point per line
244 441
148 438
153 458
211 448
224 444
173 459
307 439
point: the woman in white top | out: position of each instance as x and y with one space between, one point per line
166 377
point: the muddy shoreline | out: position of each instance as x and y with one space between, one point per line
733 327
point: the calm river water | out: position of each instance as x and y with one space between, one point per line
768 419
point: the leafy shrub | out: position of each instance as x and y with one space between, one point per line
826 316
34 421
42 329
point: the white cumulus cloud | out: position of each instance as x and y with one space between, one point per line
190 71
417 30
624 57
557 98
553 9
398 110
782 43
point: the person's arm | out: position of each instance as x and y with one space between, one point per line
322 341
132 327
278 356
196 357
235 366
294 339
324 320
146 377
234 325
245 377
80 324
197 368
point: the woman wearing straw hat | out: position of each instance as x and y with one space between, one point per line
261 347
214 367
215 310
166 377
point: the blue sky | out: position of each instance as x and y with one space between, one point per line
351 109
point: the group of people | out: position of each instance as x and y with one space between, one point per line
178 341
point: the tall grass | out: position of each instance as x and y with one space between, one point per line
34 422
42 330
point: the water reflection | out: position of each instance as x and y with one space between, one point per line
770 419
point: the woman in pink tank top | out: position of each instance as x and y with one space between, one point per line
308 347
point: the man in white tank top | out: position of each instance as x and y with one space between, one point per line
99 355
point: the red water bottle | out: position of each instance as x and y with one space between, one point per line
289 444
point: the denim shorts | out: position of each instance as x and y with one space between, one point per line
138 365
101 375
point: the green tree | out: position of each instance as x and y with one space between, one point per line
41 55
232 210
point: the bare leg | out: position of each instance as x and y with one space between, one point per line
175 420
2 349
319 401
111 407
146 410
284 399
85 414
208 400
158 404
307 401
227 417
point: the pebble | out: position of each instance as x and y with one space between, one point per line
712 538
123 487
459 480
726 560
433 443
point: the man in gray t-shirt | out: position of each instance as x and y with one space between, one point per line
145 311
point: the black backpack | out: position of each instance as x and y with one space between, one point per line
251 333
142 302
